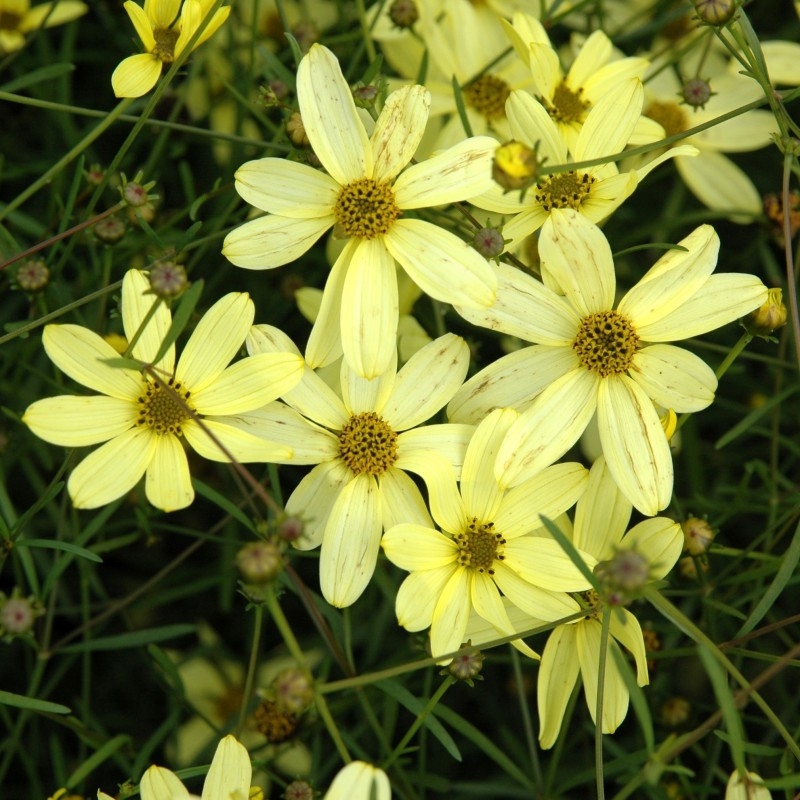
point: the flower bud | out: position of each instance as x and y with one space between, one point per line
697 535
290 529
293 690
18 614
259 562
773 209
365 95
466 667
489 242
403 13
622 576
299 790
109 230
32 275
771 315
715 12
676 711
296 131
168 280
751 787
696 92
274 723
514 166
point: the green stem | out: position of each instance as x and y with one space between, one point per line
674 615
79 148
598 712
417 724
252 664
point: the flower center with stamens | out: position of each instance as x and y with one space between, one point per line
606 343
479 546
670 116
567 104
488 95
368 444
365 209
564 190
163 408
9 21
166 39
593 601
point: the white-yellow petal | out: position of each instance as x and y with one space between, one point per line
358 781
418 594
398 130
168 484
451 614
416 547
136 75
72 421
557 675
217 441
137 303
159 783
615 692
230 772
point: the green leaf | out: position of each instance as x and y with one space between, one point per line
416 706
53 544
41 75
32 704
181 317
96 759
134 639
224 503
754 416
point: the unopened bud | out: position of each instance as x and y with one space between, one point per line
692 567
95 175
773 208
135 195
299 790
296 131
622 576
109 230
32 275
697 535
290 529
365 95
293 690
274 723
489 242
514 166
696 92
18 614
259 562
715 12
466 667
769 316
168 280
403 13
676 712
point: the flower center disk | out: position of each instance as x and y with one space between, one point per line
488 95
564 190
670 116
163 408
479 546
166 38
567 105
368 444
606 343
366 209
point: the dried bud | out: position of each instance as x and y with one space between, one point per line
467 667
697 535
95 175
489 242
32 275
168 280
296 130
771 315
676 712
299 790
696 93
715 12
259 562
691 567
514 166
622 576
773 208
293 690
267 98
403 13
365 95
290 529
274 723
109 230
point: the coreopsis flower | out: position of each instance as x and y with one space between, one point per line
491 544
143 416
364 193
594 191
592 358
18 19
569 95
228 777
360 781
362 443
746 787
626 563
164 35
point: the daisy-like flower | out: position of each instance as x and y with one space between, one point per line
593 191
360 781
569 96
364 193
592 358
747 787
626 562
142 416
362 443
165 35
228 778
491 541
18 19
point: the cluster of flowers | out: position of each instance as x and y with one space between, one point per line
483 557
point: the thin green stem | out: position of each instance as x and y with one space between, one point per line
598 712
252 665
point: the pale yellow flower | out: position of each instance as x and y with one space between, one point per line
747 787
164 35
491 544
365 192
362 441
142 421
647 552
360 781
591 358
18 19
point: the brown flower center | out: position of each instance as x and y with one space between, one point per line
564 190
567 104
166 39
164 408
368 444
366 209
670 116
9 21
488 95
479 546
606 343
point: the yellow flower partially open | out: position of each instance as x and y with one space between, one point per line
17 19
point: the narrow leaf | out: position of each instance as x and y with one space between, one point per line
31 703
133 639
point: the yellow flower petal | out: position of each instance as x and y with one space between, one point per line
80 421
136 75
168 484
